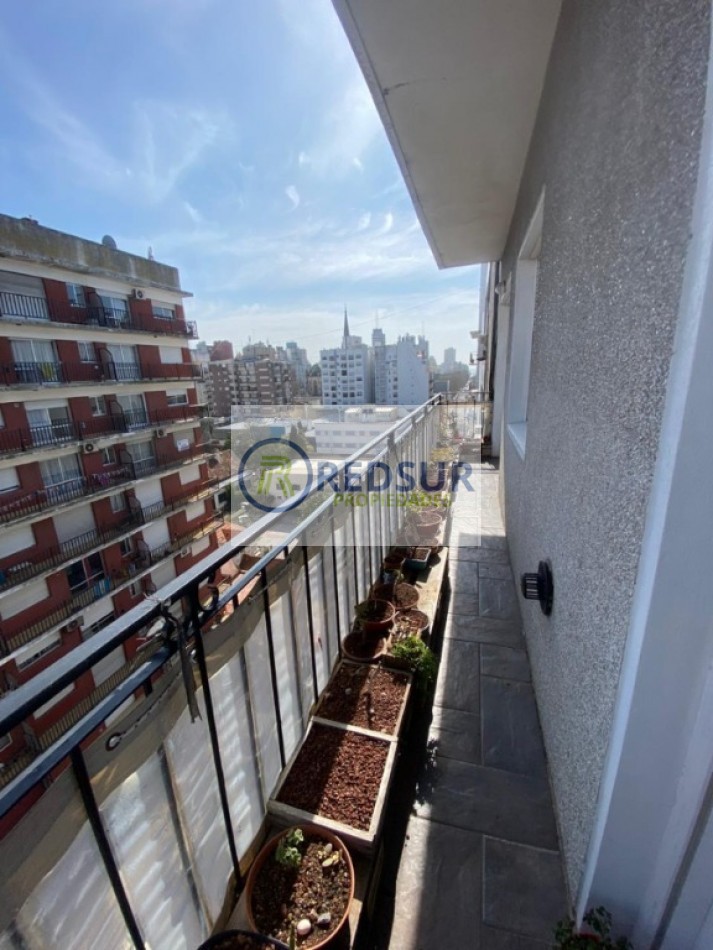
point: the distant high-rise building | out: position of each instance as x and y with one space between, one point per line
263 382
401 373
221 350
347 372
449 359
299 364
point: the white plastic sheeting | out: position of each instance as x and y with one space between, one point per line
287 674
319 617
242 777
192 769
258 665
73 906
139 824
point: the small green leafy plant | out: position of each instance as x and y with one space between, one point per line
599 922
288 851
421 660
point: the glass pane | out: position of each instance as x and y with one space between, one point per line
74 906
138 819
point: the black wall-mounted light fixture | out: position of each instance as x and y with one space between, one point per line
540 586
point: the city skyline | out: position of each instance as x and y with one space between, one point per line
275 193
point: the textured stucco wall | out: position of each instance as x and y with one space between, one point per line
23 239
616 148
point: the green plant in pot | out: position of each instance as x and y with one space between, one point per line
419 659
597 936
375 616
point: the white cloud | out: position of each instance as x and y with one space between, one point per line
293 195
303 159
193 213
388 223
350 126
364 221
172 140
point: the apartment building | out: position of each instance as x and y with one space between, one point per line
105 487
347 372
401 373
222 387
263 382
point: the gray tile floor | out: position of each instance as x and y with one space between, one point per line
480 866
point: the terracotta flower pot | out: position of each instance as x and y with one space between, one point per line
364 649
266 852
392 563
378 625
402 595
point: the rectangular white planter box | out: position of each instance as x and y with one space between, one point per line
361 840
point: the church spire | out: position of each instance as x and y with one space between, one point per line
346 327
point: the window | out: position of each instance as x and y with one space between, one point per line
125 362
117 502
5 741
163 313
36 361
42 646
75 293
177 397
8 479
109 455
116 309
49 423
85 573
60 470
135 589
87 353
95 628
523 319
97 404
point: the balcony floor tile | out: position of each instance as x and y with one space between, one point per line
446 912
522 888
511 727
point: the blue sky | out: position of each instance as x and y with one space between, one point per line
237 138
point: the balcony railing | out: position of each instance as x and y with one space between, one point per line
51 372
15 635
56 554
264 649
36 501
25 439
27 307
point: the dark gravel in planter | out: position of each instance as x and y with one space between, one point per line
370 697
337 775
283 896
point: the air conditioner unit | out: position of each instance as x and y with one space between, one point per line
88 447
185 552
139 294
160 433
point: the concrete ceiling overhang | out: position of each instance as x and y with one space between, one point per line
457 84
